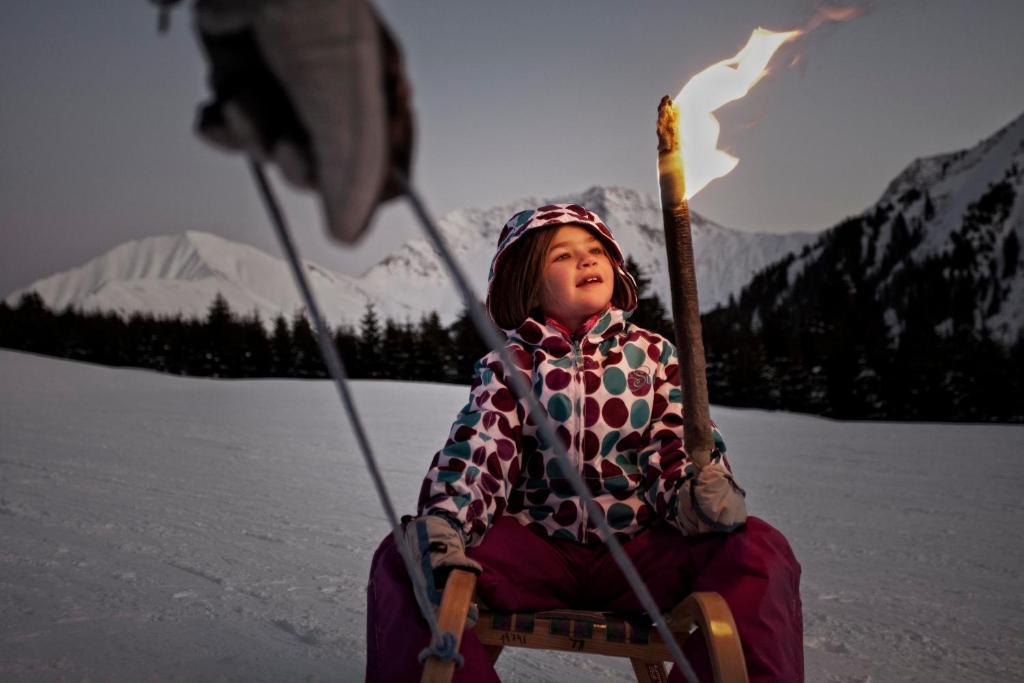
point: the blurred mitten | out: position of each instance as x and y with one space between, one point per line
316 87
709 500
438 548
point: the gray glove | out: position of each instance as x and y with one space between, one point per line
710 500
438 548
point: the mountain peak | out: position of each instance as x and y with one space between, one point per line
943 171
941 247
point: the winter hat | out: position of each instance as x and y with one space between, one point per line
552 215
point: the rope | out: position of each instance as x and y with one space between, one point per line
442 643
495 340
446 650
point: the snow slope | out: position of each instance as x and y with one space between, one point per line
166 528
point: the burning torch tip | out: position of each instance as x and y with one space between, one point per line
668 116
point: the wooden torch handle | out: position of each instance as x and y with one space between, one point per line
675 213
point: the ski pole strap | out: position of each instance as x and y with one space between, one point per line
445 649
441 642
494 339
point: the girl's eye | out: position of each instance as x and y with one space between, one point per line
562 256
597 250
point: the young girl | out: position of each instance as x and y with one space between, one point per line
495 500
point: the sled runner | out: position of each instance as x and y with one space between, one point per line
598 633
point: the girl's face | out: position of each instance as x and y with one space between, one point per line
578 279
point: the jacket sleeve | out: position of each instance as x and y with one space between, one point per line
663 461
469 480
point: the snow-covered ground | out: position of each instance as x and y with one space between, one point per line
164 528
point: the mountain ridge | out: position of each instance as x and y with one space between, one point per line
182 274
912 308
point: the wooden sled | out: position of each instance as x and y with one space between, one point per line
594 633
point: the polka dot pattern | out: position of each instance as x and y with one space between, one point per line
559 407
557 379
614 381
616 408
615 412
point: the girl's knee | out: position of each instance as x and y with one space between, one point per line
769 546
386 559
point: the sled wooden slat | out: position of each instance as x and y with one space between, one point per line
603 634
543 637
451 616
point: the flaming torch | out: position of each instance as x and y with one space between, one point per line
687 139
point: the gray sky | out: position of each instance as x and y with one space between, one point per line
512 99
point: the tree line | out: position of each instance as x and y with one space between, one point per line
825 350
227 344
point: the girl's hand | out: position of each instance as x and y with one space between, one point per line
710 500
433 538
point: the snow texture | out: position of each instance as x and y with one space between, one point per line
169 274
164 528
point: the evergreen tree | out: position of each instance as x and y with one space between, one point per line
398 343
1014 408
257 355
370 341
467 347
929 207
219 315
35 329
650 312
282 357
176 345
305 350
347 342
435 350
217 329
1011 254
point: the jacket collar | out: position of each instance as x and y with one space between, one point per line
555 339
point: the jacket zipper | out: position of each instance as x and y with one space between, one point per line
577 361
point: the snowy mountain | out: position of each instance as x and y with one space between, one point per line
912 310
183 273
171 274
956 215
945 235
726 259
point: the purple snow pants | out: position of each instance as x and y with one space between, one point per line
753 569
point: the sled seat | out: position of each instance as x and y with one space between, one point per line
599 633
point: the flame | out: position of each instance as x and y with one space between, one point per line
709 90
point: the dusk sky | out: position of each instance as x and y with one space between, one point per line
512 100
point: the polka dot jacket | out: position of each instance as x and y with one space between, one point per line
613 396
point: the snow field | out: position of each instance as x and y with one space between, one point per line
165 528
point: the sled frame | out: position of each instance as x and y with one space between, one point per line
597 633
